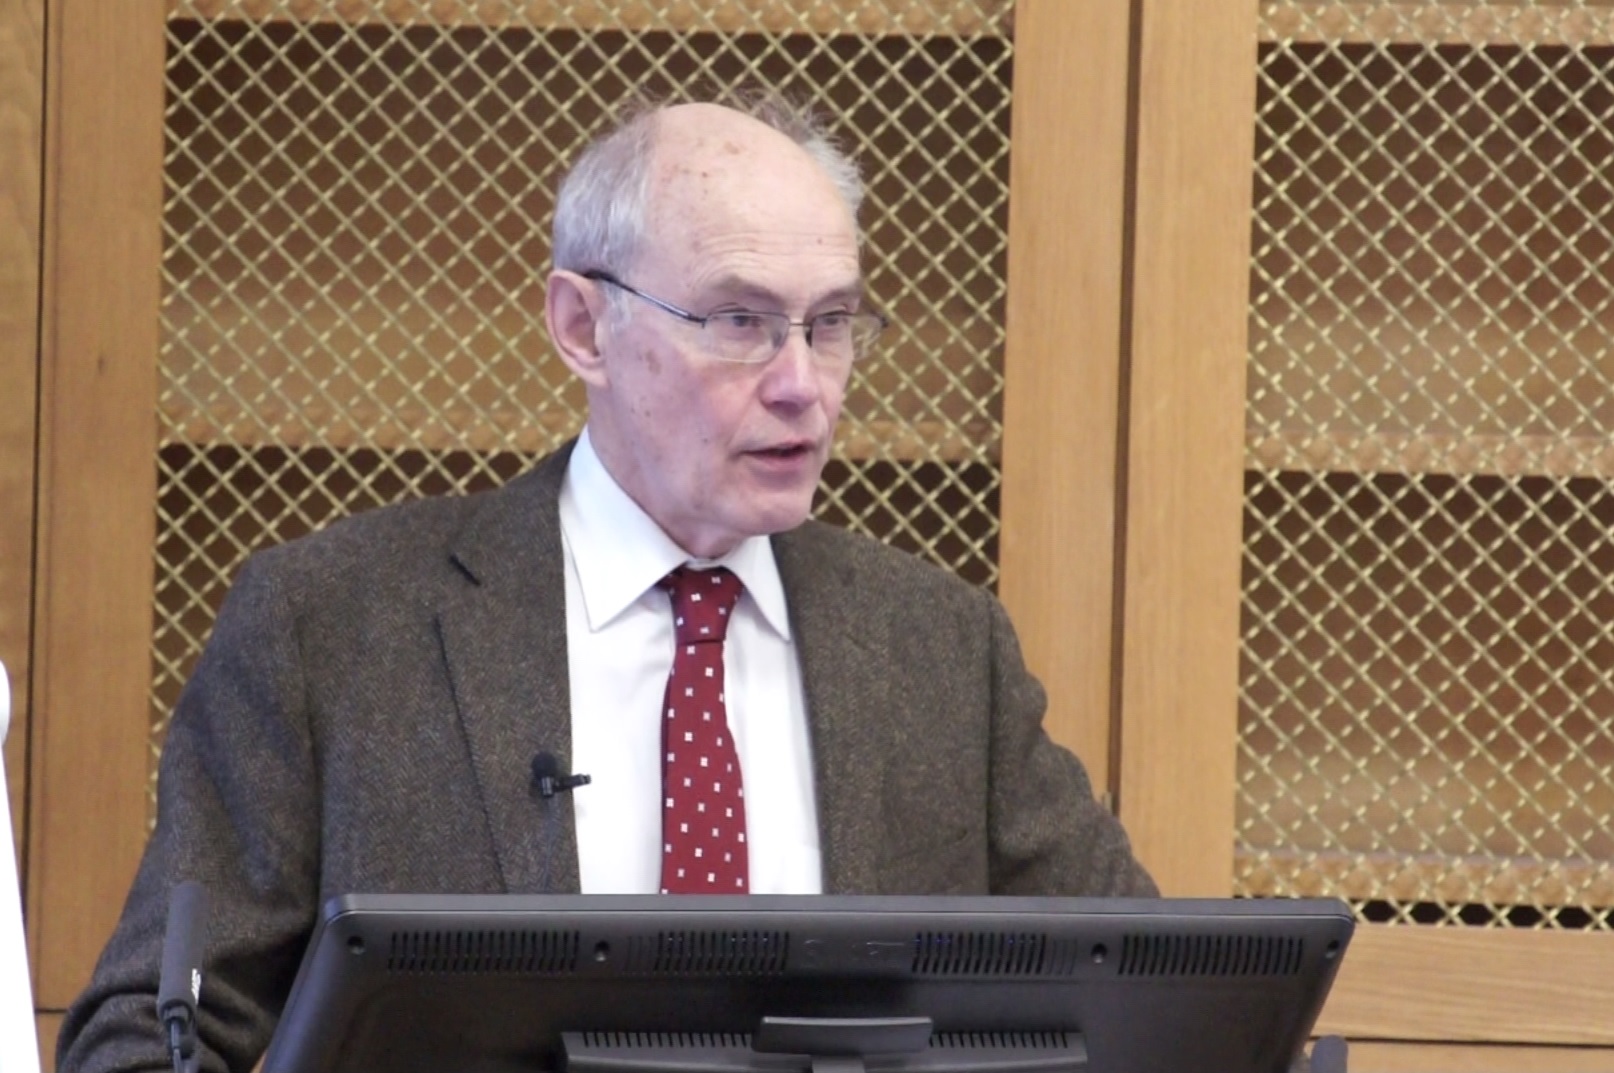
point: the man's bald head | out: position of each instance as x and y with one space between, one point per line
601 211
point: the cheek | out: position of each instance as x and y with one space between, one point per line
642 353
652 396
720 409
833 392
687 419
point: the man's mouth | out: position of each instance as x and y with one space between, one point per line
791 450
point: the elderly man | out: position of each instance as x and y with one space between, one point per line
764 704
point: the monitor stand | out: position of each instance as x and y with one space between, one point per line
827 1045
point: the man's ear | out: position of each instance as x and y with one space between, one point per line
575 310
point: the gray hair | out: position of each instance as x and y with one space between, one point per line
600 209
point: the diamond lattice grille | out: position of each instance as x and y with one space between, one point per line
356 236
1427 705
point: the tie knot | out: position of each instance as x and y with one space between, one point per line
701 602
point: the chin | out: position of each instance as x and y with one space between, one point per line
783 519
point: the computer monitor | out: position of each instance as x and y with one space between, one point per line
834 984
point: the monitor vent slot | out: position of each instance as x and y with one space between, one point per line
1210 955
1063 958
483 951
964 1041
980 954
696 953
668 1040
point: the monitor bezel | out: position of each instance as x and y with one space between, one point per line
862 945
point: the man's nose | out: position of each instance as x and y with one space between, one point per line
794 373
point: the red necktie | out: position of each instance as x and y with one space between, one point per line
703 803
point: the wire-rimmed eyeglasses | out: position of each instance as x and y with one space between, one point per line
753 338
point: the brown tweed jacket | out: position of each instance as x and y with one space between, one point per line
365 716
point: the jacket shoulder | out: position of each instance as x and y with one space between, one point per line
860 560
414 542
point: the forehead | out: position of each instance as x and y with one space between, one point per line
733 198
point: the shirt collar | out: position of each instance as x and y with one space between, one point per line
620 552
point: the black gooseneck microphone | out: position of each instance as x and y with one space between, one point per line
179 989
547 779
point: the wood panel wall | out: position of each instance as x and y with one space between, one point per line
1411 990
1476 985
22 57
1062 366
1188 306
1371 1056
48 1026
97 479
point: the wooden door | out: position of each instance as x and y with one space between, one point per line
1420 726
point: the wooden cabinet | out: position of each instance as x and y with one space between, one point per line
1425 707
1127 400
1428 423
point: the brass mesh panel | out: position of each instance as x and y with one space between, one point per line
356 235
1427 707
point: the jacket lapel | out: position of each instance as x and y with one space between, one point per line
840 644
504 641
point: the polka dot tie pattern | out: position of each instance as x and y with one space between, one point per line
703 799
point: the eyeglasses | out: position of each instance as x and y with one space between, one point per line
752 338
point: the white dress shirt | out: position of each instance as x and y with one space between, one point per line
619 642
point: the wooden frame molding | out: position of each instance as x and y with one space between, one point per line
1373 1056
1185 438
1475 985
1062 364
22 123
92 671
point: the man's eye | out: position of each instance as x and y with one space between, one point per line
835 321
738 320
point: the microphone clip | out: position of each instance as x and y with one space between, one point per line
550 785
547 780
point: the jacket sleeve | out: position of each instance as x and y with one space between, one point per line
1048 835
237 811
